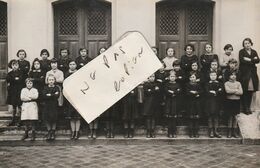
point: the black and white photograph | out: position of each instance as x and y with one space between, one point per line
130 83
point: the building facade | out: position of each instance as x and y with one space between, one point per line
54 24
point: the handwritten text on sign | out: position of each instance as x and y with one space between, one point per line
110 76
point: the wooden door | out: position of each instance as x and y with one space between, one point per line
80 24
3 55
178 24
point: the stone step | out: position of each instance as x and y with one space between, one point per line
118 140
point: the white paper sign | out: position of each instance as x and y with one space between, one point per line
110 76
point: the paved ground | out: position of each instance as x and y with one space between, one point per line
177 156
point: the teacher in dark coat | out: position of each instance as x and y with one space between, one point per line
249 80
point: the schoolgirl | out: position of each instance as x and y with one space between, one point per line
207 58
64 60
45 62
188 59
83 58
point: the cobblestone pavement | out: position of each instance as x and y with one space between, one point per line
145 156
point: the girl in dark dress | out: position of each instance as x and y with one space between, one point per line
207 58
15 83
151 91
194 92
24 65
45 62
214 68
130 113
50 95
64 60
231 68
173 99
83 58
248 59
70 111
38 76
214 90
188 58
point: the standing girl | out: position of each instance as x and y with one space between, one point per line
207 58
151 91
50 95
193 91
83 58
224 59
233 92
38 77
64 60
15 84
213 93
249 79
173 103
45 62
24 65
188 59
29 114
169 59
71 112
130 113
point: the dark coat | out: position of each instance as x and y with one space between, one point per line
38 77
45 65
193 100
69 110
186 62
130 106
150 98
24 66
81 62
50 107
213 100
220 76
15 83
229 71
63 64
205 61
173 99
248 69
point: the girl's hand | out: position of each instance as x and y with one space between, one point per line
157 88
170 91
56 93
16 78
48 94
198 80
247 59
149 90
212 91
193 92
255 58
180 77
220 77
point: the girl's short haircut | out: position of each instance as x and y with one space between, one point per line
83 49
72 60
54 60
44 51
21 50
193 73
232 73
189 45
208 44
247 39
211 72
12 62
36 60
172 72
227 46
28 80
232 60
62 49
51 75
170 48
176 62
164 65
214 60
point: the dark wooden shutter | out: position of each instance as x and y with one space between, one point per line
3 54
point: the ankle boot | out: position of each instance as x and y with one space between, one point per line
72 135
33 136
196 133
112 135
108 135
126 133
211 134
229 133
76 136
90 135
148 133
53 136
235 133
216 133
48 135
25 135
152 133
191 132
174 135
131 133
94 134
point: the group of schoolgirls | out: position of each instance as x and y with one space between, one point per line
186 87
193 86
